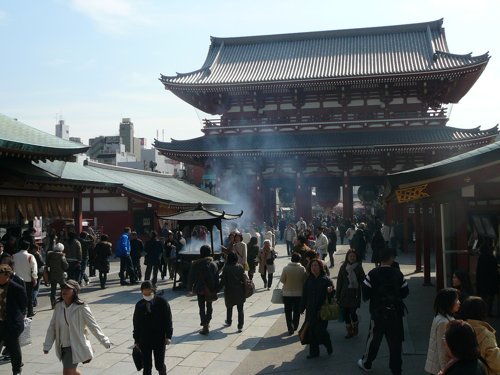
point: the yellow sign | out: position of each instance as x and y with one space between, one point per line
411 194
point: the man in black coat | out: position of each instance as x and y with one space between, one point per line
13 303
152 328
385 287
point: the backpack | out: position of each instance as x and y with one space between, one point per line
388 301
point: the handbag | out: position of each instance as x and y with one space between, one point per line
137 357
249 287
25 337
329 310
210 296
277 296
304 333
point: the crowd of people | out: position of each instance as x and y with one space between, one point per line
307 284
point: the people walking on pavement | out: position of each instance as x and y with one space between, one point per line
461 343
332 245
293 277
103 250
377 244
73 252
136 250
240 249
446 305
349 281
154 251
123 252
267 255
87 240
40 264
475 311
290 236
170 254
252 256
203 281
68 328
321 244
233 280
13 303
316 289
385 287
152 328
26 268
57 266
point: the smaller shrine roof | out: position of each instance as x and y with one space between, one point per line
320 141
200 213
156 186
395 51
20 140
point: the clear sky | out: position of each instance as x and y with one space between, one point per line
92 62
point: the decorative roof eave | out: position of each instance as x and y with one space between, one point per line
363 150
44 155
370 79
200 213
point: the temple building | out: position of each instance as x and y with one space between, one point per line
312 115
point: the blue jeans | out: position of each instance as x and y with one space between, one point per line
83 275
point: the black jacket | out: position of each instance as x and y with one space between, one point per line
203 272
154 250
375 280
16 308
313 296
153 323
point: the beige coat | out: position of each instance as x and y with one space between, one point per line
80 319
293 277
437 358
487 345
263 256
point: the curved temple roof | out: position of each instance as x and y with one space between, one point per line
17 138
321 141
326 55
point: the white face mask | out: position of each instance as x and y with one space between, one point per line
148 298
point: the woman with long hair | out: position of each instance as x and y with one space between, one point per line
349 280
446 304
233 279
68 329
316 288
252 254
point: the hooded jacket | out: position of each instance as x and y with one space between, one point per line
487 345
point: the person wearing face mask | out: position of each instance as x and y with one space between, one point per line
153 328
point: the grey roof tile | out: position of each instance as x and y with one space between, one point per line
389 50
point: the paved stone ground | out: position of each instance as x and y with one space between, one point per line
263 346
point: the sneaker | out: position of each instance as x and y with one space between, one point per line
227 324
362 366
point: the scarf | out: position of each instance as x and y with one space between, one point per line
351 275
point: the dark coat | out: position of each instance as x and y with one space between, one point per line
466 368
57 264
154 251
252 254
203 272
16 308
378 245
136 248
487 275
233 280
349 297
102 253
153 323
314 295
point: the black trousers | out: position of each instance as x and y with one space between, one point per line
11 343
126 265
151 268
206 310
241 315
292 312
350 315
267 281
159 354
289 247
392 329
103 276
318 335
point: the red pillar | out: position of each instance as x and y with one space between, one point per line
303 204
405 228
418 238
77 212
461 230
347 195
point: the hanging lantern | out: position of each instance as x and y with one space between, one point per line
368 193
286 195
328 196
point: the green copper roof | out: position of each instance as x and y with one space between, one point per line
20 140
